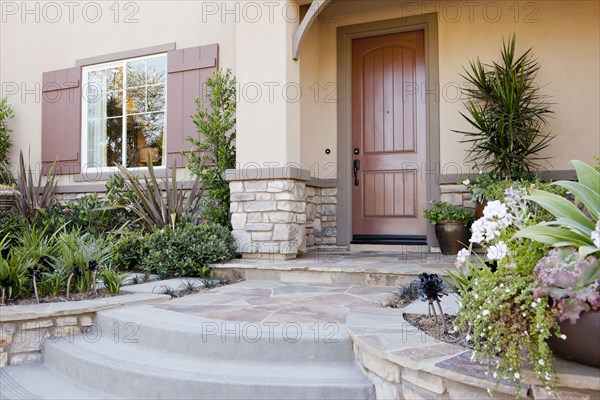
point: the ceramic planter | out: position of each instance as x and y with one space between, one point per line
479 206
582 344
452 236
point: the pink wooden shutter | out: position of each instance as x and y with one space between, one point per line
61 120
188 70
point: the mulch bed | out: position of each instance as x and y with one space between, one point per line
435 329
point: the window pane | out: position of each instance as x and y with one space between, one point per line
136 100
145 133
136 73
114 145
114 103
156 98
157 70
105 138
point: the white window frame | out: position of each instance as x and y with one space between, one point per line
85 168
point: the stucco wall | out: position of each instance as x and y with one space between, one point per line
565 38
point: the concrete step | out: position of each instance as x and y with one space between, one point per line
184 334
131 370
30 382
363 268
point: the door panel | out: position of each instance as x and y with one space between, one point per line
388 130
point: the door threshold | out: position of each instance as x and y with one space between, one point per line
403 248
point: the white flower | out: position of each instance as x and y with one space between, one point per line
563 337
486 312
461 257
476 296
495 208
534 304
466 182
497 251
517 375
541 362
596 235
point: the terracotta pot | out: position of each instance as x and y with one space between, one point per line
479 206
582 344
452 236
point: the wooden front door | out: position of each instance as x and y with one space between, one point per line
388 135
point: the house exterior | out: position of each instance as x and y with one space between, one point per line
345 107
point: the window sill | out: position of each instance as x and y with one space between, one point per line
103 175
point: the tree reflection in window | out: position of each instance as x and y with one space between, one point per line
126 113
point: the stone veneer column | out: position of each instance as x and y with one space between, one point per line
268 216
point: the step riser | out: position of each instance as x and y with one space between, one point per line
122 380
233 341
315 277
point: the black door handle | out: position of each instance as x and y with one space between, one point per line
356 169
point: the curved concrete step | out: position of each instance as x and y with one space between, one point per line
179 333
31 382
130 370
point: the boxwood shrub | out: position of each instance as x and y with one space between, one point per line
186 250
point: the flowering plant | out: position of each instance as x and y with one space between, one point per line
499 307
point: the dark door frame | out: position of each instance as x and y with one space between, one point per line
431 171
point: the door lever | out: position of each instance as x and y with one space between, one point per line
356 169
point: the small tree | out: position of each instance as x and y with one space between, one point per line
6 113
214 152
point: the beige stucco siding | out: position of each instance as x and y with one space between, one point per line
564 34
565 39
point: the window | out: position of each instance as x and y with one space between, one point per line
124 113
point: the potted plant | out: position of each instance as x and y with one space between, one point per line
480 187
451 225
547 275
508 112
570 274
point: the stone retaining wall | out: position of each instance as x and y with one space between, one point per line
21 342
321 216
268 216
281 217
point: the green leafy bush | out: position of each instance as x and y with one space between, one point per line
444 211
186 249
112 279
215 151
6 113
14 271
87 214
128 249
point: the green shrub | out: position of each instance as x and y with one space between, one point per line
14 271
186 249
6 113
112 279
444 211
215 151
128 250
87 214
